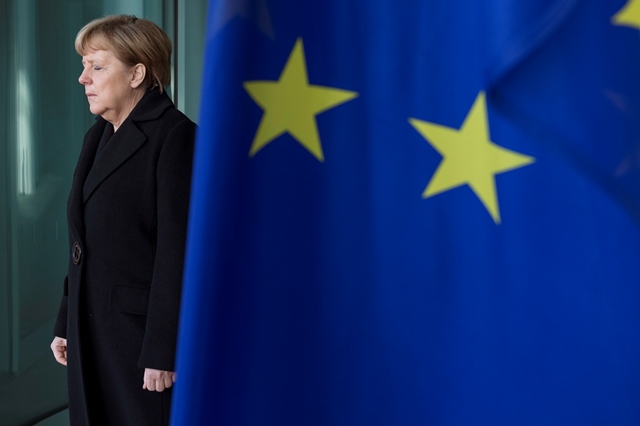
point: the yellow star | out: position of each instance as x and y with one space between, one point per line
291 104
629 15
469 157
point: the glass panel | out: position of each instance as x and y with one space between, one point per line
41 133
192 16
5 296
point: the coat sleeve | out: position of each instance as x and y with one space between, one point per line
173 177
60 328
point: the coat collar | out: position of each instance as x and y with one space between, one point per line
152 105
126 141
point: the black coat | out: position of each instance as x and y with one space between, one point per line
127 217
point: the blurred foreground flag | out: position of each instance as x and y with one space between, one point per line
415 213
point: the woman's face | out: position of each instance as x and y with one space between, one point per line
110 86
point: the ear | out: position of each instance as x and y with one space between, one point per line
138 73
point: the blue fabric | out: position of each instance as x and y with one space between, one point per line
331 292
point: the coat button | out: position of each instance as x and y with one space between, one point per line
76 253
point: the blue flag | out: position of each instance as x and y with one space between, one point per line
415 212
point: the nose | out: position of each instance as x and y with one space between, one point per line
84 78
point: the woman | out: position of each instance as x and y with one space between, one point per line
127 213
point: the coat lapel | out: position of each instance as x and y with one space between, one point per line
85 161
122 145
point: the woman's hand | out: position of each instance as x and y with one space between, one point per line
158 380
59 348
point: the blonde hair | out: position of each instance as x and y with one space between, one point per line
133 41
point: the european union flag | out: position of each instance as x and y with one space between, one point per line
415 212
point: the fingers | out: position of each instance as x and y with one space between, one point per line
59 349
159 385
62 357
157 380
168 382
